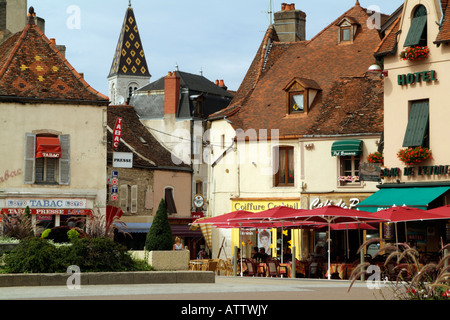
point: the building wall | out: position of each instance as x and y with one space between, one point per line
181 184
86 127
398 97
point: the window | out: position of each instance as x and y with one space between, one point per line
285 173
123 197
134 199
349 170
345 34
170 202
47 159
296 102
417 131
417 34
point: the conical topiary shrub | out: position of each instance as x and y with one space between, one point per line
159 236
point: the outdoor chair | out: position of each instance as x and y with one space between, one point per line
251 268
273 267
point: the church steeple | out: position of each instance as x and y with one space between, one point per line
129 69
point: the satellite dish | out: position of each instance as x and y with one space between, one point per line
120 100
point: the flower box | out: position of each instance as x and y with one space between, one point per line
415 53
411 156
376 157
348 178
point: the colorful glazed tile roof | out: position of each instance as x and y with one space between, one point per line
129 58
32 69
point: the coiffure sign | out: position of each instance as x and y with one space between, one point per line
47 203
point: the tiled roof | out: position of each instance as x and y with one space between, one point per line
148 152
32 68
129 58
262 100
444 32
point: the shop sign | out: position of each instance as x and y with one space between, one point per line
370 172
48 212
122 160
52 203
117 133
317 203
197 215
411 78
261 205
437 170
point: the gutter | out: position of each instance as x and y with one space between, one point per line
52 101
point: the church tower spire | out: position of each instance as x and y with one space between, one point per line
129 69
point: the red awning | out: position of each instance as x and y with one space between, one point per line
48 147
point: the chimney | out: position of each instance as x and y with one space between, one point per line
222 85
290 24
3 15
171 93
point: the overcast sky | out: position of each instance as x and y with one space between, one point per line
219 37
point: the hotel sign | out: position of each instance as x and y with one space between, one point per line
416 77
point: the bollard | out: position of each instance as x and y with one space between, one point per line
294 263
235 262
361 254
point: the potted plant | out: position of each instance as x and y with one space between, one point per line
159 244
415 53
376 157
411 156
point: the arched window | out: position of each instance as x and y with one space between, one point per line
417 34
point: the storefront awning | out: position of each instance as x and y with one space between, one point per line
417 197
48 147
347 148
133 227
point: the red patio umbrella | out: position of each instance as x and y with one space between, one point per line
331 215
222 219
443 211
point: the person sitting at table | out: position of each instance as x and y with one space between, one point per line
263 255
255 254
287 255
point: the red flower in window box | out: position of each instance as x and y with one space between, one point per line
376 157
415 53
411 156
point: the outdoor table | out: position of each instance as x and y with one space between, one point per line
195 265
343 269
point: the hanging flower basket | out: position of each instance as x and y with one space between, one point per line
376 157
411 156
415 53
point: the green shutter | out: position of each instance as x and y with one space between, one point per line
417 124
415 31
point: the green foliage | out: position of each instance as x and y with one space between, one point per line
36 255
73 235
45 234
159 236
100 254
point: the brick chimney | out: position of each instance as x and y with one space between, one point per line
171 93
290 24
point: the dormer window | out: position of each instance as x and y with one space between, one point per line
297 103
347 29
417 34
300 95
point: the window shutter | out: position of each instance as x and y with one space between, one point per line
51 170
124 197
415 31
205 194
29 163
134 199
64 161
417 124
149 198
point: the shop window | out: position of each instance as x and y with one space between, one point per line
285 164
349 171
47 159
417 131
417 34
